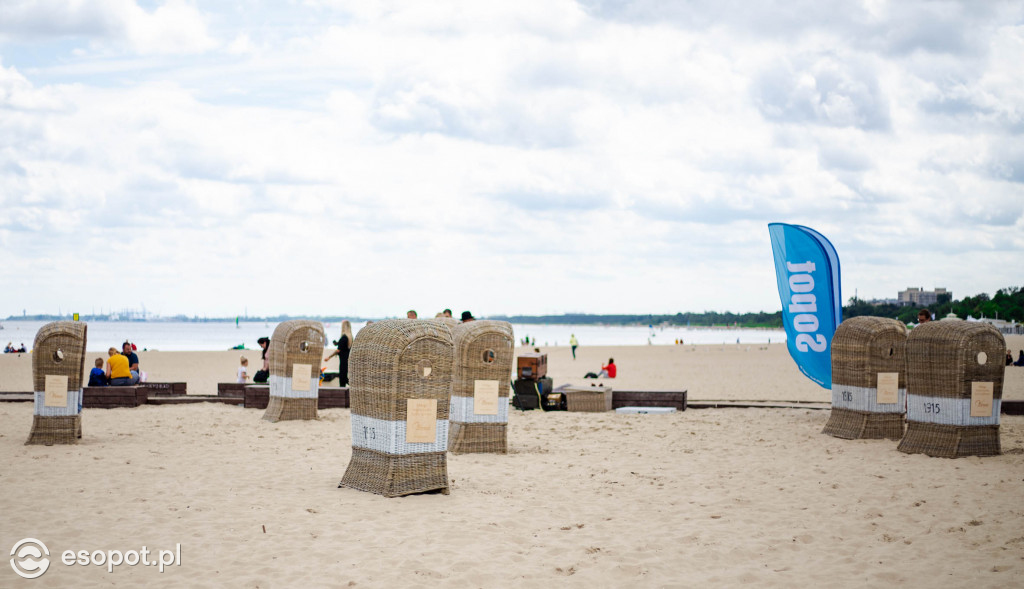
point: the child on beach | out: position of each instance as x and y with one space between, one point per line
243 370
97 377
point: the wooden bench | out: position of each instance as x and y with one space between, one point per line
164 389
258 396
675 399
1011 407
112 397
333 398
231 389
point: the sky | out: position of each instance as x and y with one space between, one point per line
353 158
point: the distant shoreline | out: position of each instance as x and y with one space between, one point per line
595 320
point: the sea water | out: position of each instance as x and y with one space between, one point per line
207 336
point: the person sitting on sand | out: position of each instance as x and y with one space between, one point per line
98 378
607 370
243 370
1020 359
263 375
1009 358
118 374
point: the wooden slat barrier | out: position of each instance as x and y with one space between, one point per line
1011 407
111 397
231 389
675 399
258 396
191 399
165 389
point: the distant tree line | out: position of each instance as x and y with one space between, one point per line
1006 304
705 319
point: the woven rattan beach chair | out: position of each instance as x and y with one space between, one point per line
58 363
400 387
869 384
296 349
954 389
480 387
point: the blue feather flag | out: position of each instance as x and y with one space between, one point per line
807 270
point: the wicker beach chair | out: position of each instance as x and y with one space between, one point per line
868 352
58 363
400 387
480 387
954 389
296 349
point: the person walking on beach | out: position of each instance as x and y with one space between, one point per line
344 344
574 343
118 374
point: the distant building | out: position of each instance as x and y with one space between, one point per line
877 302
920 297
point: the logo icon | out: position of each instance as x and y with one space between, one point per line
30 558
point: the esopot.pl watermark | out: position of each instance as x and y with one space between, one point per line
30 558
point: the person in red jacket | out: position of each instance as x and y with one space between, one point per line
608 369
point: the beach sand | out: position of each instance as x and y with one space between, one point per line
717 497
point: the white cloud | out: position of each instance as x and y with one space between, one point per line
175 26
617 157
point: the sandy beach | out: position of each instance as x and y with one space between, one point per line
712 497
708 372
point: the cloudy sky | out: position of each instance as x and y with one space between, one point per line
537 156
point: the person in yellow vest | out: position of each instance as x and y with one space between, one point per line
118 373
574 343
